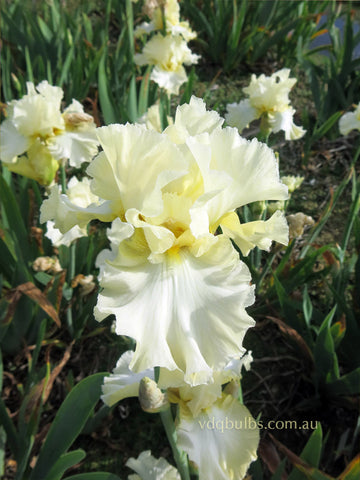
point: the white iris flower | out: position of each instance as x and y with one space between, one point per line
213 428
36 135
169 10
173 281
268 100
168 54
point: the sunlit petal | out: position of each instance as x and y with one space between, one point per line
240 114
123 382
350 121
135 165
149 468
221 441
259 233
188 313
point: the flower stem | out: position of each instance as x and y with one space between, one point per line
63 178
240 395
179 456
72 259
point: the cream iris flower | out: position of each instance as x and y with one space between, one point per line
168 54
149 468
175 283
36 135
167 11
268 100
350 121
213 428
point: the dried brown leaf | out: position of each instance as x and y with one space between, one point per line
59 290
12 297
294 459
56 371
294 335
270 457
42 390
31 291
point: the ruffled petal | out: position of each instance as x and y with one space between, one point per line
134 167
51 94
78 147
168 54
149 468
123 382
66 214
186 313
57 238
239 115
170 80
193 119
12 142
235 172
159 239
78 193
221 441
38 114
259 233
270 93
201 397
350 121
284 121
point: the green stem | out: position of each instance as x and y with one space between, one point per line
72 259
164 108
63 178
130 25
240 395
71 275
179 456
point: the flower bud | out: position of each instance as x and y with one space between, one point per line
47 264
292 182
151 398
86 283
297 223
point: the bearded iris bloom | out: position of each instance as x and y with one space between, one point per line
167 50
165 15
217 432
168 54
268 100
172 279
36 136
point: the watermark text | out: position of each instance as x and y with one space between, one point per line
249 423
